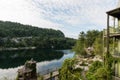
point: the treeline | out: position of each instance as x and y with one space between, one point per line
43 43
92 39
11 29
19 35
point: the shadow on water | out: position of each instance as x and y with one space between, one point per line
11 59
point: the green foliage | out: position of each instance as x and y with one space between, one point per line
101 74
10 29
108 64
98 46
79 47
91 36
85 40
95 65
67 71
19 35
98 71
108 60
92 70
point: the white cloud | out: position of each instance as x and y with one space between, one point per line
118 4
70 16
24 12
76 12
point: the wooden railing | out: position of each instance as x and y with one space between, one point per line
115 78
50 74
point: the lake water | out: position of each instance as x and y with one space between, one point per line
47 60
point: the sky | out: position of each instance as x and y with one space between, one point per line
69 16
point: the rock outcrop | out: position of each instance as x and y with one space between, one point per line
28 72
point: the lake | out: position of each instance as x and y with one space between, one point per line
47 60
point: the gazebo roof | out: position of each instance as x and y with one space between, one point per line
114 13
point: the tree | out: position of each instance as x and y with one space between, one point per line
98 46
91 36
79 47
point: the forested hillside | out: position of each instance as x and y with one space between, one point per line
10 29
19 35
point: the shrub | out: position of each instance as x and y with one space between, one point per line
68 72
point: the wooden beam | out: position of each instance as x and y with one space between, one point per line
107 33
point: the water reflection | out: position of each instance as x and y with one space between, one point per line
11 59
51 65
49 61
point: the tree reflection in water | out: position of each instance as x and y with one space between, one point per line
11 59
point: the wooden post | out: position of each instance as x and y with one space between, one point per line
114 37
118 22
51 75
104 46
107 53
114 23
107 33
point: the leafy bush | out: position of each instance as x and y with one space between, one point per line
98 72
101 73
92 70
68 72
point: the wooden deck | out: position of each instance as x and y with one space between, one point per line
113 35
115 78
55 75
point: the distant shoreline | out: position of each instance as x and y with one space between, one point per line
20 48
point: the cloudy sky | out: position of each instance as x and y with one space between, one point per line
69 16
